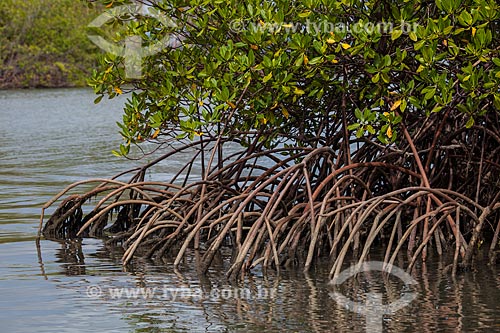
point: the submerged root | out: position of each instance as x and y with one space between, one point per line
289 206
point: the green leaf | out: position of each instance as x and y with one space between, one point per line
496 101
465 18
429 93
462 108
353 126
385 77
437 109
124 149
418 45
358 114
98 99
381 137
315 60
299 61
403 105
489 85
251 57
470 123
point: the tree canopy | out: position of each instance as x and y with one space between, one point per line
295 69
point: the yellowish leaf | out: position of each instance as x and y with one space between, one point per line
395 105
274 105
110 4
305 14
473 31
231 104
445 42
389 132
335 61
200 103
298 91
420 68
155 134
330 40
285 113
118 90
254 47
345 46
306 60
386 114
267 77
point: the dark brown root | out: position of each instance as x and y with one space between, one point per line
284 206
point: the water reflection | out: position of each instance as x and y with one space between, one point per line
152 297
71 258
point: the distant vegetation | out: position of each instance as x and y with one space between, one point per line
43 43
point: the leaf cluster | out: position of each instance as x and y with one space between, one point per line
294 70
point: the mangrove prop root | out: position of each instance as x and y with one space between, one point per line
291 205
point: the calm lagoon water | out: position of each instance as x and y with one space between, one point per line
51 138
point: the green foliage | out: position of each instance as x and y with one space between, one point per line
43 43
288 68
